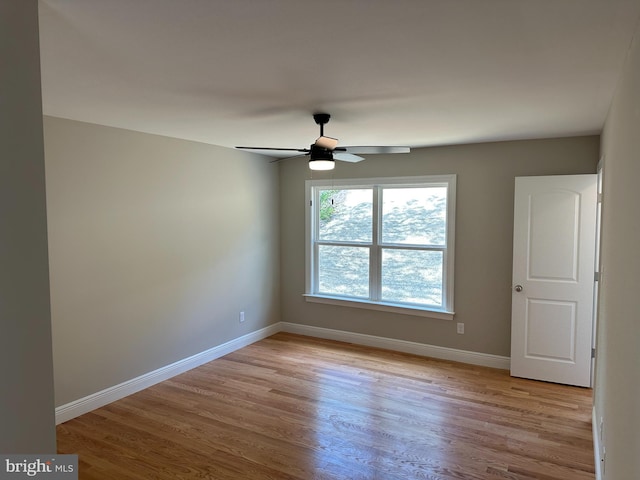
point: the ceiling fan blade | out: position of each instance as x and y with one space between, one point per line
278 160
301 150
376 150
327 142
347 157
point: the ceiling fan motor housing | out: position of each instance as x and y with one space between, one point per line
319 153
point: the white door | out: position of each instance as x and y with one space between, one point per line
553 277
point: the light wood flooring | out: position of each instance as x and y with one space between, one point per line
295 407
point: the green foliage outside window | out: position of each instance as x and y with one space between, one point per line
327 205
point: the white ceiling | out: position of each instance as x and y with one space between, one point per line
402 72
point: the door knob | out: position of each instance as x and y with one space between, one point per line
518 288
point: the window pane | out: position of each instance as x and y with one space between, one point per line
343 270
412 276
416 216
345 215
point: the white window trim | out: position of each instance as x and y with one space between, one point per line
445 313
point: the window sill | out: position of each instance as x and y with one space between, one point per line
383 307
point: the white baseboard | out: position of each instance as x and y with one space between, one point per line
596 444
444 353
99 399
111 394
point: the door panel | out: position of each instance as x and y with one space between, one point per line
553 265
554 221
544 316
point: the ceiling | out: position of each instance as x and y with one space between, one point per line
402 72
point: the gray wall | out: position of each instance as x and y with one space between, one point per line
156 244
26 376
484 224
617 390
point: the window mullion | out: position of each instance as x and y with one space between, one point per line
314 245
375 253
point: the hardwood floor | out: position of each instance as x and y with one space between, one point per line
294 407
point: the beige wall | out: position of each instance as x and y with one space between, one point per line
156 244
617 391
26 376
485 187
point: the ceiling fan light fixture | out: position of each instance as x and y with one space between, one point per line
321 158
321 164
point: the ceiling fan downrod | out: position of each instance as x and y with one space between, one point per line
321 119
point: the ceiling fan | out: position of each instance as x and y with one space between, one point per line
325 150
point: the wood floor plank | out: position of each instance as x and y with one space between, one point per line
296 408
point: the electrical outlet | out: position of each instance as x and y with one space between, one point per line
241 317
460 327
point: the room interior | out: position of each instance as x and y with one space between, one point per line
136 233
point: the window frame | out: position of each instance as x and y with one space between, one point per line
312 187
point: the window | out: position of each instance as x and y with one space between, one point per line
385 243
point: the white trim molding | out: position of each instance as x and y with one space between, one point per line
104 397
599 461
425 350
380 306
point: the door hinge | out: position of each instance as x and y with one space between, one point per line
600 198
596 276
593 353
